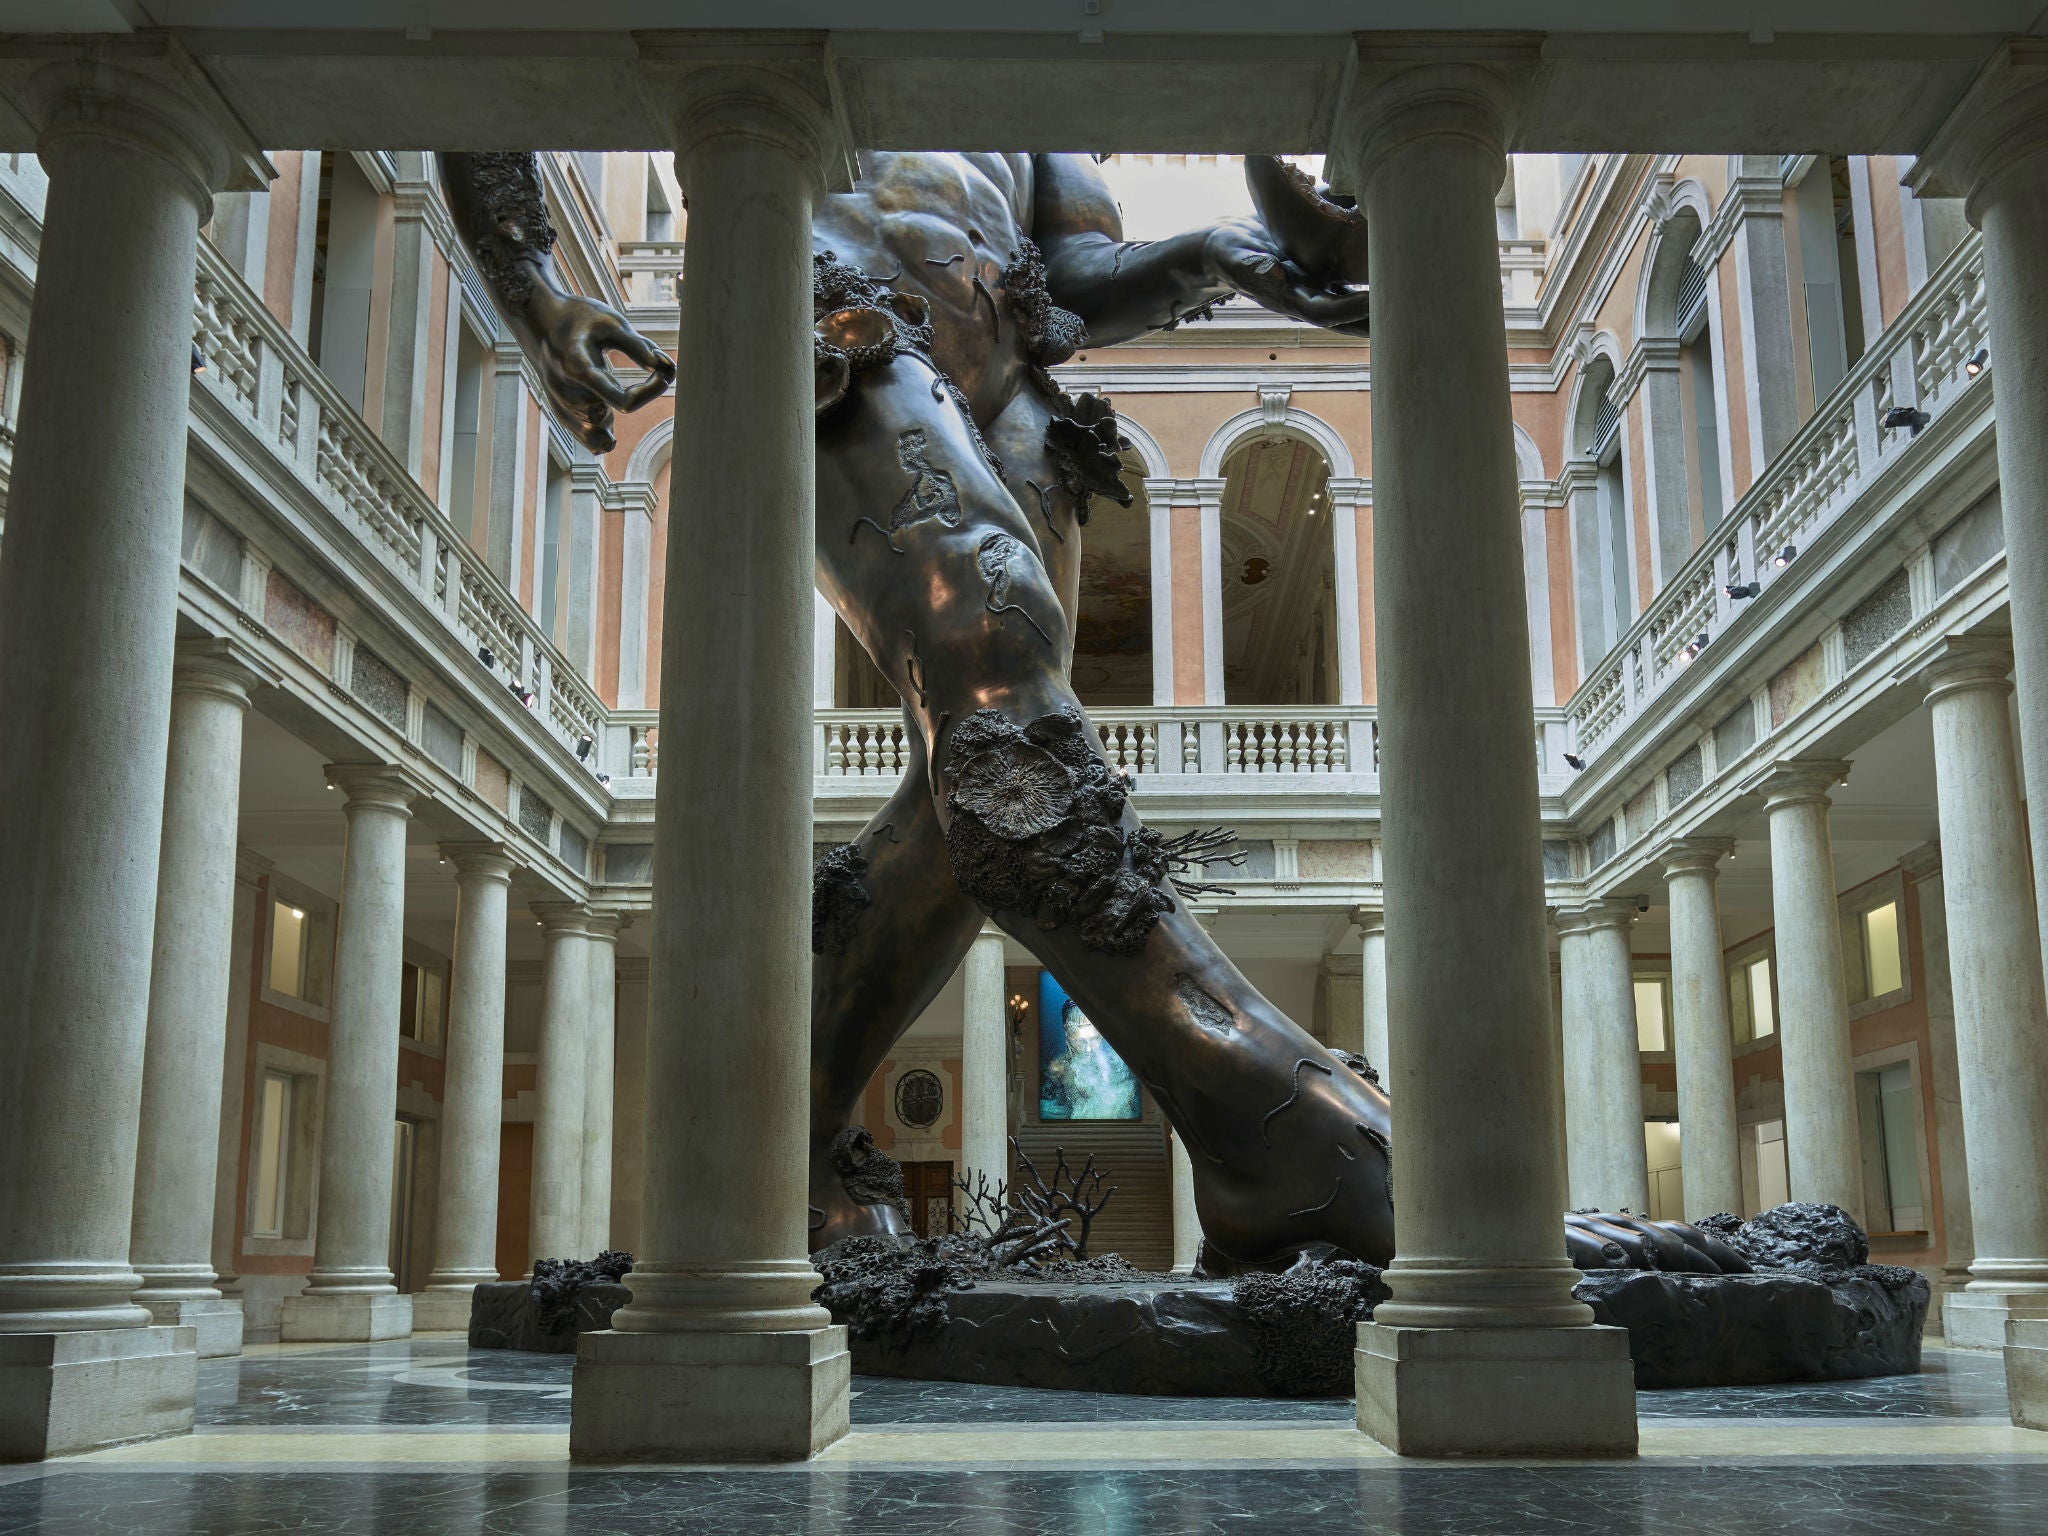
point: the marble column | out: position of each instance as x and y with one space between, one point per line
555 1226
984 1062
1710 1158
350 1295
88 611
171 1235
1187 1221
1944 1070
1605 1158
722 1354
1372 929
2001 1017
599 1078
227 1176
1822 1153
473 1096
1483 1348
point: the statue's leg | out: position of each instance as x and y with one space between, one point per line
891 934
938 571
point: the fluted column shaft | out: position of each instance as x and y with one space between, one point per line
1608 1166
2001 1018
473 1099
1701 1041
984 1063
172 1230
555 1225
1372 927
599 1076
1822 1152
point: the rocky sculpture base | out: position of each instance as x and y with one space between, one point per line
543 1315
1812 1310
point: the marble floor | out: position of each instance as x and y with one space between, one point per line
427 1436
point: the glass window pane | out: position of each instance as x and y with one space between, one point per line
287 949
1650 1015
270 1149
1763 1016
1881 949
1900 1111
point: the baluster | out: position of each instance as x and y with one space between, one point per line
1148 749
870 754
1269 746
835 750
1340 747
640 768
1319 747
902 740
1190 747
1233 735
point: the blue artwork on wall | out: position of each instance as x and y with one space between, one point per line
1079 1076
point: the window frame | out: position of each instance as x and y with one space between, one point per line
317 945
1888 889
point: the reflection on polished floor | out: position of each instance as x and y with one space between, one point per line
426 1436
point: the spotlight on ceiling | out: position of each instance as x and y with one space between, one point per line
1912 418
583 745
487 656
1743 591
1786 556
1979 361
1574 762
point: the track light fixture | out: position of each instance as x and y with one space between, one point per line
488 657
583 745
1743 591
1978 362
604 778
1693 649
1912 418
199 360
1786 556
1574 762
521 692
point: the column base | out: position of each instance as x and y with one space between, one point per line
709 1397
438 1311
1976 1319
1497 1391
350 1318
2026 1371
63 1393
217 1320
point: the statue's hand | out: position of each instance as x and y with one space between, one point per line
1623 1240
1242 254
576 335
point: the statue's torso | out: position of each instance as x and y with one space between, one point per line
944 226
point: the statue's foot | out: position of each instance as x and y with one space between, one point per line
1312 1169
857 1191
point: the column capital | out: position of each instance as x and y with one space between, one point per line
1369 920
1922 863
1592 916
1396 97
386 785
1797 783
607 924
1966 662
562 917
1694 855
1992 140
482 860
221 666
158 101
778 96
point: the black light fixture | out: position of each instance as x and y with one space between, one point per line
198 359
1911 417
1743 591
521 692
604 778
1574 762
1979 360
485 655
1786 556
583 745
1692 651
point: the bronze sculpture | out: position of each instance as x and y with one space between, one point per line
954 476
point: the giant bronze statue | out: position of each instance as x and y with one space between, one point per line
954 478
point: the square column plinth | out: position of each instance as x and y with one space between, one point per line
216 1321
344 1319
1497 1391
1977 1319
2026 1371
63 1393
435 1311
709 1396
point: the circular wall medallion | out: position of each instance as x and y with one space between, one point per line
920 1098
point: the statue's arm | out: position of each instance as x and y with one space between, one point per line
502 215
1122 289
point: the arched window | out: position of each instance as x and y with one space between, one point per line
1604 534
1113 628
1685 396
1280 624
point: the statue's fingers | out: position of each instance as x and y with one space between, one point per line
623 338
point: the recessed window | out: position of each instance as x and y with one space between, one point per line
288 932
1882 969
1651 1034
1888 1122
1752 1014
273 1151
419 1005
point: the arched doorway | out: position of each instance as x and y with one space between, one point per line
1278 570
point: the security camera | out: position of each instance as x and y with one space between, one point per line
1642 903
